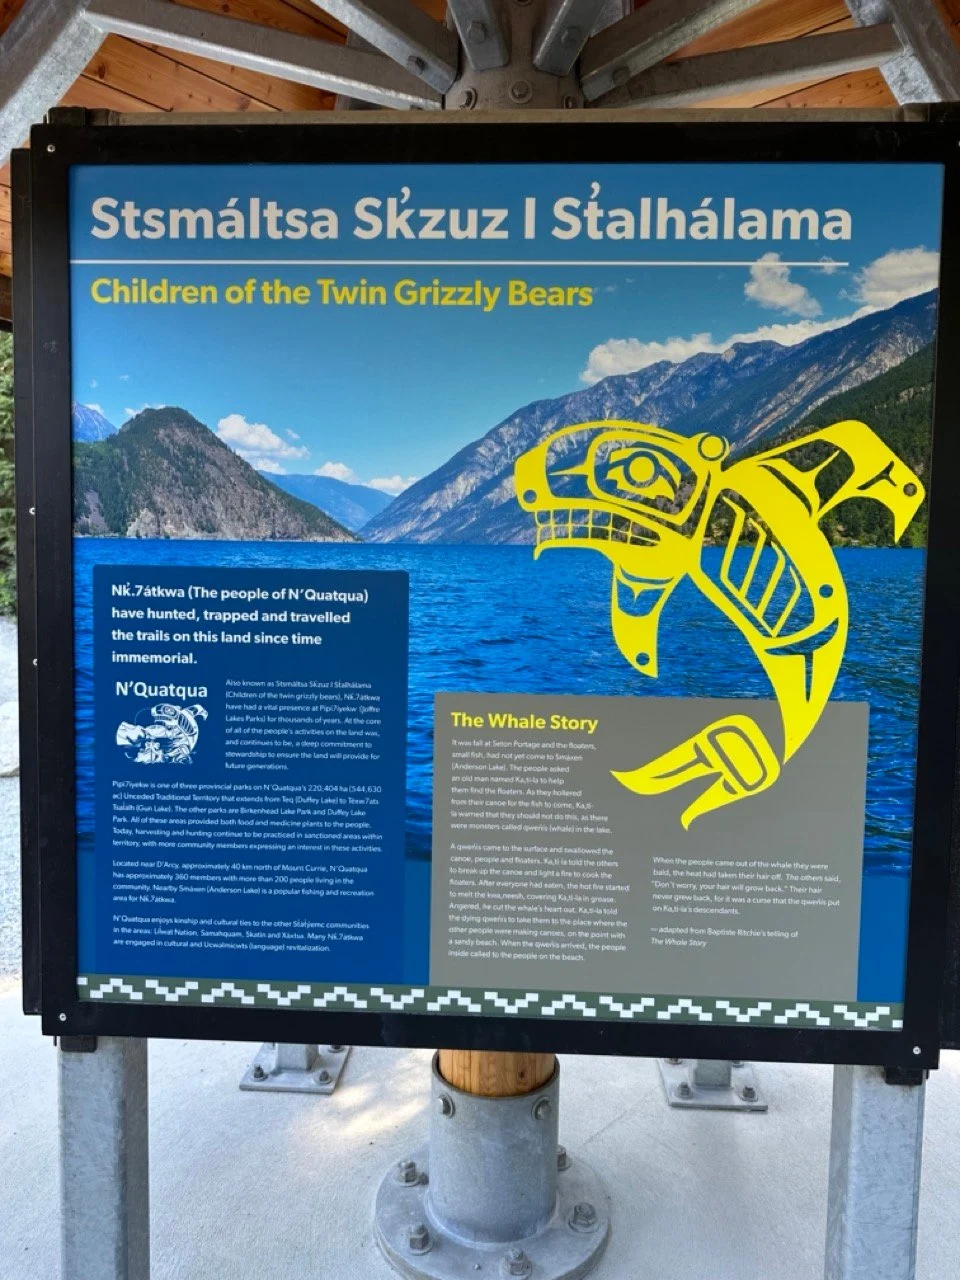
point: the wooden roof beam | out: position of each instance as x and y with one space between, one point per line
762 66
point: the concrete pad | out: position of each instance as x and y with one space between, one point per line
253 1185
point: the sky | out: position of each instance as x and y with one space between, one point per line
382 395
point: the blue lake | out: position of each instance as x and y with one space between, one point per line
492 619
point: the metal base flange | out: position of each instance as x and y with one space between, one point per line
569 1246
707 1086
296 1068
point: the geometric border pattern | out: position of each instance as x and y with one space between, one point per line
251 994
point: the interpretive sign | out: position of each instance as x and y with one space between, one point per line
501 595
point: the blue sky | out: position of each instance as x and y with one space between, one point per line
385 394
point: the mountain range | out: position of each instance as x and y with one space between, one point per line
166 475
89 424
351 504
750 393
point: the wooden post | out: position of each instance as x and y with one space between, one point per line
495 1075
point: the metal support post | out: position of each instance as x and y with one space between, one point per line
711 1084
493 1192
104 1161
874 1191
296 1068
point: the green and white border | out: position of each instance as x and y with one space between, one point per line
575 1005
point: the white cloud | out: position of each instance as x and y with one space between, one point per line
392 484
629 355
292 434
770 285
258 443
124 377
337 471
902 273
94 384
95 407
132 413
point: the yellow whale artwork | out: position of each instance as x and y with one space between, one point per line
649 499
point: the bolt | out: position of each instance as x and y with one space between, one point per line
541 1109
445 1105
337 1048
515 1263
563 1160
583 1217
477 33
468 99
737 1062
418 1238
324 1076
408 1173
51 148
748 1093
63 1016
683 1090
916 1048
570 100
416 65
621 75
674 1062
259 1073
521 91
572 38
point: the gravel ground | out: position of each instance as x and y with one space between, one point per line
9 824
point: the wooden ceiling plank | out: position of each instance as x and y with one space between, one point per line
856 89
773 20
93 94
154 77
6 262
307 20
5 201
280 95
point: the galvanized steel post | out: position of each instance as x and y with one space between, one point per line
104 1161
874 1192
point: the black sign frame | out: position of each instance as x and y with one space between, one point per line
49 774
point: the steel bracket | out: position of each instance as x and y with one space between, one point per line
912 1077
707 1084
77 1044
296 1068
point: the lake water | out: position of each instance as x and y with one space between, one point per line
492 619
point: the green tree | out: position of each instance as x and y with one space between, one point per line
8 544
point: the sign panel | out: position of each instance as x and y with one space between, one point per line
498 587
